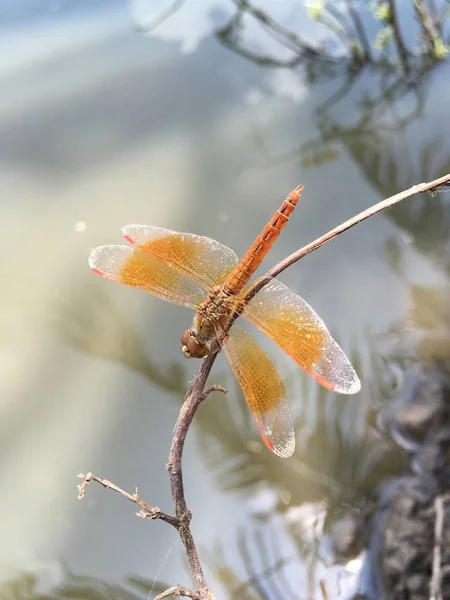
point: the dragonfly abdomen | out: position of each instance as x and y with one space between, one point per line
241 274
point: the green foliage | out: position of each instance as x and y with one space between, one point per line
315 9
382 12
383 37
440 49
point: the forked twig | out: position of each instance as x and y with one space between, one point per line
176 590
182 518
145 510
197 393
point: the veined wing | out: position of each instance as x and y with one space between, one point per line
263 390
139 269
201 258
290 322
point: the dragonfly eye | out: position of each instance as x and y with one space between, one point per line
192 346
185 336
197 349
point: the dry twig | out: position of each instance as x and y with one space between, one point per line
176 590
161 17
323 589
145 510
431 186
181 519
435 583
196 394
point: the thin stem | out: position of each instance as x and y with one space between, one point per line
161 17
339 17
427 24
192 401
401 48
146 511
435 584
431 186
360 31
283 32
176 590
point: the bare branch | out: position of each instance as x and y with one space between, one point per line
214 388
283 32
359 28
161 17
301 48
435 583
145 510
400 44
177 590
420 188
193 399
323 589
426 23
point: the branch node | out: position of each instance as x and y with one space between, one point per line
149 513
144 513
82 487
179 590
186 518
215 388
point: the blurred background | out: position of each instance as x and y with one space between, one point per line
201 116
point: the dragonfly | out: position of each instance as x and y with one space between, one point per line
202 274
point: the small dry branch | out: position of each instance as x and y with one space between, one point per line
435 583
178 591
145 510
182 518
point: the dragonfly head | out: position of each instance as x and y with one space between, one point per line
192 346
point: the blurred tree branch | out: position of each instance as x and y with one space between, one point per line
346 18
161 17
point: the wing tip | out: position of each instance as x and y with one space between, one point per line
92 258
105 260
132 232
127 231
95 260
350 385
284 450
348 388
355 386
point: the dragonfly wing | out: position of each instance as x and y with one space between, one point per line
203 259
139 269
290 322
263 390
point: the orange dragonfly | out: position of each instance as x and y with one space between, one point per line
202 274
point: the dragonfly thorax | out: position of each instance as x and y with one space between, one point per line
212 318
